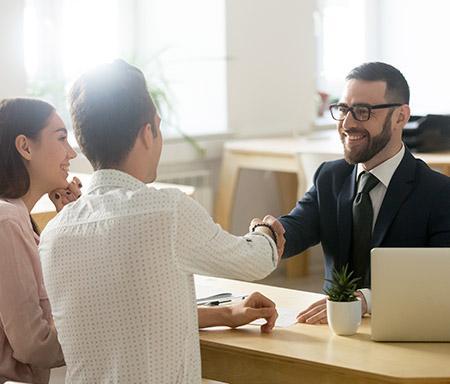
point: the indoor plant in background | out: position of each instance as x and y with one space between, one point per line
343 307
162 95
54 89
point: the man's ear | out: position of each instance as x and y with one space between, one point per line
146 135
403 116
23 146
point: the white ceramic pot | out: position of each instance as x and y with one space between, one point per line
344 318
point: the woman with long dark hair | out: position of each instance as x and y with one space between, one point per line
34 160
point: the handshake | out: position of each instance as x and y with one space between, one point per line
272 227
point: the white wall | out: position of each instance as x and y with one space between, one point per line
271 87
12 71
270 74
413 38
270 83
271 68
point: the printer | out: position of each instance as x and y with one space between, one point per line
427 133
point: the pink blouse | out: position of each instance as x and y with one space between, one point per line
28 341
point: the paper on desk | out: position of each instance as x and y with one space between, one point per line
286 317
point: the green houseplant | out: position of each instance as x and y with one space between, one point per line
162 95
343 285
343 307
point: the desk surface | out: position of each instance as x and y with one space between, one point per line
313 352
321 142
317 142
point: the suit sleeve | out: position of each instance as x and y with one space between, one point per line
439 224
302 224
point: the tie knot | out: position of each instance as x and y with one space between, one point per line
367 182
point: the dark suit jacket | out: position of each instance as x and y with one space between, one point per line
415 212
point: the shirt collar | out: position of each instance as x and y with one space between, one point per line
386 169
113 178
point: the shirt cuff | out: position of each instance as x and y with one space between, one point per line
271 242
368 296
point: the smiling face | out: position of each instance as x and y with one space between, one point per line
368 141
49 156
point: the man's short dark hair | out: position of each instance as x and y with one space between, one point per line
397 89
109 106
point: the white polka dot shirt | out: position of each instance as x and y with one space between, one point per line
118 267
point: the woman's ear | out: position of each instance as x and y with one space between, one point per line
23 146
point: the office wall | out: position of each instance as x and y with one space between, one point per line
270 75
271 66
413 36
12 72
270 82
271 87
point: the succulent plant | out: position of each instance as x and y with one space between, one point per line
343 285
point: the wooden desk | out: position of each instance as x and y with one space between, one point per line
44 210
290 158
312 353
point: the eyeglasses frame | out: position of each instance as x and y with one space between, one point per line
370 107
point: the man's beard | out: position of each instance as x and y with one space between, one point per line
374 145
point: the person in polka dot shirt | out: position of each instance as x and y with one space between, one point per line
119 262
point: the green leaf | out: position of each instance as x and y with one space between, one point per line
342 285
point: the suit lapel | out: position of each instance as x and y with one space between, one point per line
344 216
399 188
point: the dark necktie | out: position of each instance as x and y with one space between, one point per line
362 227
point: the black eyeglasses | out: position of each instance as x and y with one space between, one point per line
360 112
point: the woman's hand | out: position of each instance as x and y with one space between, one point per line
61 197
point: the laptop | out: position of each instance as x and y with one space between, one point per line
410 294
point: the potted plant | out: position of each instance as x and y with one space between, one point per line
343 307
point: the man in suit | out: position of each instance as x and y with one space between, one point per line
378 196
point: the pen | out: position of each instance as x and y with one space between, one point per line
215 297
217 302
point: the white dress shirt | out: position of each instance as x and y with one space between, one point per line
118 266
384 173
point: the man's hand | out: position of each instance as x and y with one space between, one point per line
276 226
316 313
361 297
61 197
255 306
